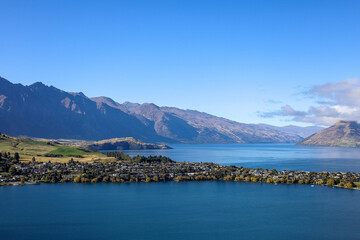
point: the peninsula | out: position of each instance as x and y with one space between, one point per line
127 143
123 168
27 161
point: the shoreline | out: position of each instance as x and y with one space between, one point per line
125 169
17 184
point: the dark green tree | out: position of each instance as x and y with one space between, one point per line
12 170
17 157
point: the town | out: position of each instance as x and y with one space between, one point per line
124 168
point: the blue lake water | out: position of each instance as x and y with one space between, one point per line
277 156
187 210
193 210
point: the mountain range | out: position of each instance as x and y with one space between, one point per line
341 134
44 111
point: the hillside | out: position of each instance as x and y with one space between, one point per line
42 150
341 134
128 143
44 111
190 126
300 131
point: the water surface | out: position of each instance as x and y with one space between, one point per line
188 210
277 156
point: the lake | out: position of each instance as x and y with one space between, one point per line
270 156
186 210
194 210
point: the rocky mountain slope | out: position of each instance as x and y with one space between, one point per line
41 111
189 126
341 134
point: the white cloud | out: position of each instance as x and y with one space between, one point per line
335 102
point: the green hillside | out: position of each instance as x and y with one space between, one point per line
40 148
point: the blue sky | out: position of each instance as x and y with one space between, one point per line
235 59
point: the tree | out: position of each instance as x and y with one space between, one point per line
12 170
85 180
77 179
95 180
17 157
320 182
119 180
228 178
330 182
349 185
238 178
33 159
254 179
105 179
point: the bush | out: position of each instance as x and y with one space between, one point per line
330 182
228 178
349 185
77 179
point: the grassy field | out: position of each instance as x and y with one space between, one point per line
67 151
41 149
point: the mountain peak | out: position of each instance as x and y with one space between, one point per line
38 84
150 105
341 134
81 94
343 122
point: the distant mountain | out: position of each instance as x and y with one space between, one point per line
47 112
189 126
300 131
341 134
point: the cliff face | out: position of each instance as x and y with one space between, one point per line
44 111
341 134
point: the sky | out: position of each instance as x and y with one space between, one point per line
257 61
